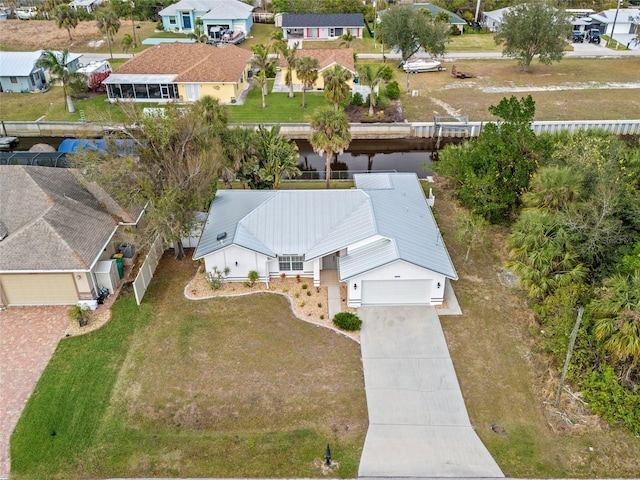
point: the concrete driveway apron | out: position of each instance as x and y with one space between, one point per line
418 423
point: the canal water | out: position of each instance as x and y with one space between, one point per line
401 155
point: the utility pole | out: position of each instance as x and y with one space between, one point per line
375 20
614 24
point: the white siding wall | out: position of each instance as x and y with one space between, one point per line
247 261
397 270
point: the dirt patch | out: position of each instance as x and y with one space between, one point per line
389 114
44 34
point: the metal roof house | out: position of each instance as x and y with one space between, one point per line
19 71
380 237
319 26
54 235
230 15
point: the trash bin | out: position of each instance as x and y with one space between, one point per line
119 264
127 250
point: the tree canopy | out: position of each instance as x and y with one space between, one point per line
330 134
56 63
533 29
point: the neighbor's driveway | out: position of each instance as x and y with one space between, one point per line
418 423
28 338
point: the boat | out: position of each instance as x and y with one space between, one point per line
26 13
422 65
8 142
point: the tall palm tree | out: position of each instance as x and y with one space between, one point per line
617 323
289 55
277 39
336 87
66 17
127 43
330 134
346 38
307 71
372 75
108 24
277 153
263 62
56 63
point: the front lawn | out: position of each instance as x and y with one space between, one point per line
232 387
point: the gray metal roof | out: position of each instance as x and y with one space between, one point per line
390 209
21 64
149 79
215 9
299 20
53 222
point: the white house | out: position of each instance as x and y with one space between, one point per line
88 5
627 24
380 237
320 26
216 15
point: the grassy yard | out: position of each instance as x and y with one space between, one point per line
505 382
224 388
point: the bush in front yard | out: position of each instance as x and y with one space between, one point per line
347 321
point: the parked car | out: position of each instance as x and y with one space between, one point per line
593 35
578 36
26 13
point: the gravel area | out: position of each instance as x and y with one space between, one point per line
309 303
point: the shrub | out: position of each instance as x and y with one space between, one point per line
302 303
305 286
285 289
253 277
81 313
319 305
308 293
296 294
347 321
298 278
321 317
283 275
215 278
357 100
159 26
393 90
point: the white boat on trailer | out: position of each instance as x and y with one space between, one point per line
421 65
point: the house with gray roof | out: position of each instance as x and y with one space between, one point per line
380 237
56 235
319 26
216 16
19 71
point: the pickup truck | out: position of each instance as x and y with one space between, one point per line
593 36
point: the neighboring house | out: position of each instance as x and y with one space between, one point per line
216 15
19 71
327 58
627 24
181 72
88 5
320 26
54 235
493 19
454 19
380 237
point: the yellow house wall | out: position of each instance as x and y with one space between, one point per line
224 92
319 85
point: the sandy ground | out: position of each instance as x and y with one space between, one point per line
44 34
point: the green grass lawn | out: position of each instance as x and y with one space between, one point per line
232 387
280 108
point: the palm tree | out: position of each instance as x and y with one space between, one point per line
372 75
289 55
278 154
263 62
346 38
240 153
336 87
198 33
66 17
56 63
213 113
617 324
277 38
554 188
331 134
127 43
108 24
307 71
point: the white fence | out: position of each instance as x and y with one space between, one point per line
143 279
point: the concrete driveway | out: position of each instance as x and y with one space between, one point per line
418 423
28 338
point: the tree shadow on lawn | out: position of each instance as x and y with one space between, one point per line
231 387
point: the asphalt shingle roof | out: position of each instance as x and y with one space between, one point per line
301 20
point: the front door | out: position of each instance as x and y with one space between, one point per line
330 262
164 91
186 21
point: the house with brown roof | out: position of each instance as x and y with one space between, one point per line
327 58
181 72
57 236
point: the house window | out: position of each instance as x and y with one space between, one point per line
172 20
290 263
13 79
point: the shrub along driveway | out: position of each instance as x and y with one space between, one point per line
28 338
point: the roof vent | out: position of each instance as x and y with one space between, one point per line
221 236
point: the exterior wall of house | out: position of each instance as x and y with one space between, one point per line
16 84
173 22
309 269
328 33
246 260
319 84
398 270
224 92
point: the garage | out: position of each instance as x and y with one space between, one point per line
396 292
39 289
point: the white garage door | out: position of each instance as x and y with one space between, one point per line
39 289
395 292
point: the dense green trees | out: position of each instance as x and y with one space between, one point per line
531 29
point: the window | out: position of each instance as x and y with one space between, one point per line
172 20
13 79
290 263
